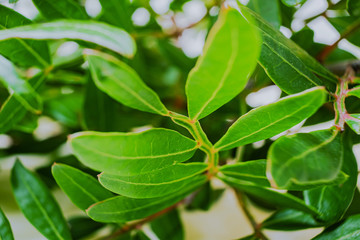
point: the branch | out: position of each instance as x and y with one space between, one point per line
254 224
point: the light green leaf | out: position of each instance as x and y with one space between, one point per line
289 220
12 111
332 201
353 7
267 121
82 189
122 83
101 34
347 230
229 57
268 9
69 9
168 226
293 3
26 53
20 88
123 209
5 228
155 183
287 64
252 171
281 200
37 204
117 13
305 159
354 92
132 153
353 121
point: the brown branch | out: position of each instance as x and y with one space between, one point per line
257 227
140 223
321 57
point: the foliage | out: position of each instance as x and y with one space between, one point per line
124 76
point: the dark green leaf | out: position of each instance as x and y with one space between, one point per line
80 187
347 230
306 159
168 226
267 121
81 227
205 197
117 13
268 9
155 183
60 9
107 36
229 57
37 204
353 7
25 53
333 201
252 171
289 220
132 153
5 228
123 209
123 84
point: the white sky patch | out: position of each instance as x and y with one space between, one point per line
141 17
5 141
311 8
192 42
160 6
93 7
264 96
348 46
193 12
285 31
67 48
47 128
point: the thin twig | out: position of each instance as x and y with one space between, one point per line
254 224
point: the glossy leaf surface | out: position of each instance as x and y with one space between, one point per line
37 204
305 159
12 111
20 88
107 36
353 121
155 183
333 201
5 228
80 187
123 209
349 230
229 57
60 9
267 121
132 153
252 171
25 53
281 200
123 84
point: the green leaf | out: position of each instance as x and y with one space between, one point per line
123 209
287 64
132 153
107 36
12 111
20 88
347 26
305 159
81 227
60 9
168 226
117 13
353 121
268 9
348 229
252 171
289 220
26 53
281 200
123 84
267 121
229 57
80 187
155 183
333 201
5 228
37 204
293 3
354 92
205 197
353 7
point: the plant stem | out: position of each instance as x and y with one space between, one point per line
257 227
329 49
140 223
